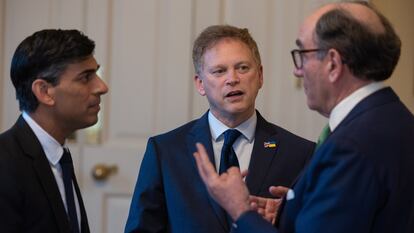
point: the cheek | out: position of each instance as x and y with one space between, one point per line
252 81
212 88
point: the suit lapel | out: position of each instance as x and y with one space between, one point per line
32 148
262 156
84 218
201 133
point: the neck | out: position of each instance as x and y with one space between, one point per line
232 121
50 126
345 89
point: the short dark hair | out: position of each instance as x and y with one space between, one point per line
46 55
213 34
369 55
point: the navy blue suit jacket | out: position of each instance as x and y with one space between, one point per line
361 180
170 195
30 200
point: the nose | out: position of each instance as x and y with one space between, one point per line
298 72
101 87
232 77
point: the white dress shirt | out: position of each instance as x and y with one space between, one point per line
54 152
343 108
243 146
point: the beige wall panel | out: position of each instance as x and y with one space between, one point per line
21 19
400 13
206 13
133 67
174 87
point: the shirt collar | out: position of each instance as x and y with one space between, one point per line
51 147
343 108
247 128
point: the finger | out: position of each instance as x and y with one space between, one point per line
253 206
260 201
204 166
253 198
268 218
234 171
255 201
199 164
271 206
278 191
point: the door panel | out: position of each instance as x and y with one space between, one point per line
107 200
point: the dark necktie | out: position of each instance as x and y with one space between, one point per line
228 156
326 131
68 176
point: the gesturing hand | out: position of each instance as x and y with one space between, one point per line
227 189
268 207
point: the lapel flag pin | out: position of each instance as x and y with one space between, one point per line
271 144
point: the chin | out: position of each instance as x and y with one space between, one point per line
241 111
313 107
90 122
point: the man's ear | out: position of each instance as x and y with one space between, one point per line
335 65
199 85
43 91
261 75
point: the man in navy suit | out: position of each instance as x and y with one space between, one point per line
361 179
169 195
54 74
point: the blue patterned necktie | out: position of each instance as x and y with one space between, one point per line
228 156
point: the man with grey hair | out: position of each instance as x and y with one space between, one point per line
361 179
169 195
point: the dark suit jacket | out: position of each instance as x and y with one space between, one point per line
170 195
361 180
29 196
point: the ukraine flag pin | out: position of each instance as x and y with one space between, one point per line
271 144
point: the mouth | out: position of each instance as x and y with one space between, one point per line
236 93
95 106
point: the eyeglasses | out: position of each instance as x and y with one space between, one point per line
297 56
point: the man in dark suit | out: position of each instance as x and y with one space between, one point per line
54 74
169 195
361 179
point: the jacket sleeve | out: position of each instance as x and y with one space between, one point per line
11 200
251 222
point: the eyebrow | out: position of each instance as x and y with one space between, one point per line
243 63
237 64
87 71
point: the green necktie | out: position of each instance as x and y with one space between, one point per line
326 131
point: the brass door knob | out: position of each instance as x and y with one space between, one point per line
101 172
